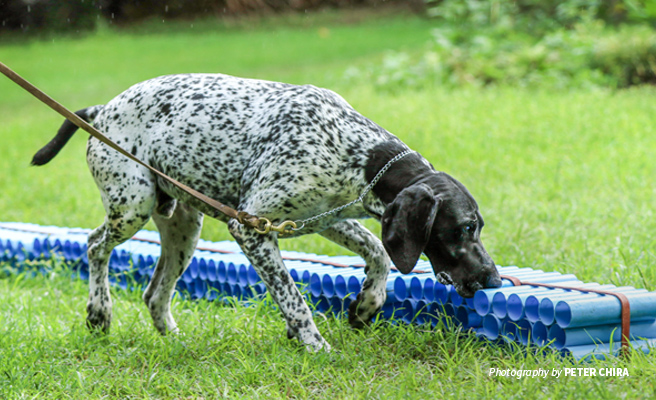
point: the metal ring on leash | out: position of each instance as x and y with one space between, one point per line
285 227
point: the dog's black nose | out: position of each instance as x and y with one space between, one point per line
493 281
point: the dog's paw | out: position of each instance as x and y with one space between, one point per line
98 320
312 340
361 311
355 317
318 346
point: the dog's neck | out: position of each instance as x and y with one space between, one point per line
408 171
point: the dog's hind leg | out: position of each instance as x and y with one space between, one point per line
121 223
264 254
179 233
355 237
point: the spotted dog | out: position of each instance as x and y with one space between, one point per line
278 151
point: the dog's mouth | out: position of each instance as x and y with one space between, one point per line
466 290
471 272
444 278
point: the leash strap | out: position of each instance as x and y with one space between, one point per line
625 308
262 225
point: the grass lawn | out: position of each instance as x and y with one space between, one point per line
564 179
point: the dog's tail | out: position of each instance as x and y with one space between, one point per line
50 150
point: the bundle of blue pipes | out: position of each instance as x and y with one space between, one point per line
582 324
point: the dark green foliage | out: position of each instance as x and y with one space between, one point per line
629 56
575 43
542 14
48 15
591 55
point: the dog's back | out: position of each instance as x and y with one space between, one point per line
224 135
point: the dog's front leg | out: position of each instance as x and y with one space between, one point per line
264 254
355 237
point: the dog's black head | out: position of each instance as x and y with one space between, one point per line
436 215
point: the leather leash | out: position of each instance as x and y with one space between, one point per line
260 224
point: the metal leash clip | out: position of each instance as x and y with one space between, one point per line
284 228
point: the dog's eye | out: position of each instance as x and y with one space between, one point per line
469 228
461 233
465 231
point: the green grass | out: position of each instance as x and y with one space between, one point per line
564 180
239 352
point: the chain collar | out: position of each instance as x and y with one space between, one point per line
360 198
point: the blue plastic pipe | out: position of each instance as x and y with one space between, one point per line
491 326
523 331
494 328
515 304
547 310
598 334
418 284
532 302
202 269
247 275
393 310
429 290
468 317
441 292
540 333
401 286
490 300
307 273
397 287
604 310
589 352
350 286
509 331
483 298
192 269
328 281
454 297
212 275
414 311
500 302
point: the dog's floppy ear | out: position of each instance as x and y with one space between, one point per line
407 224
